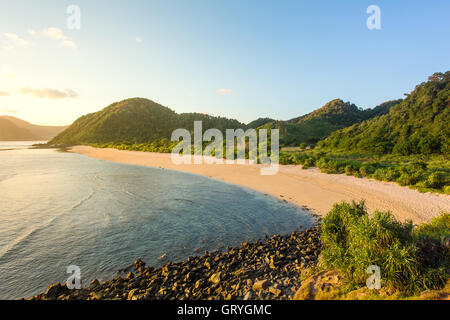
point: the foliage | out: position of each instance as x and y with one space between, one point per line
138 121
425 173
352 241
417 125
319 124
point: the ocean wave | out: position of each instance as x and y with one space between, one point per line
82 201
24 236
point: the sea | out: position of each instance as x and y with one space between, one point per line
60 209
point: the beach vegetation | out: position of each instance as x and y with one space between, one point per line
411 258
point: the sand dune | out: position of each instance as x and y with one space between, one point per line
310 188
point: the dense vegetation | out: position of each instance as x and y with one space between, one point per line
259 123
319 124
425 173
411 259
417 125
136 121
142 121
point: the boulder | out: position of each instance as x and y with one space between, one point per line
216 277
132 293
260 285
55 290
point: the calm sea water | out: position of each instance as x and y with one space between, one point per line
59 209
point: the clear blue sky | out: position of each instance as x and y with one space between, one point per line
240 59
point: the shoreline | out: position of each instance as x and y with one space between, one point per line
309 189
265 269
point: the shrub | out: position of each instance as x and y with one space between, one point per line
348 170
447 189
407 179
352 241
436 179
434 241
366 170
307 163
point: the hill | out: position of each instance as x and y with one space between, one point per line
43 132
10 132
14 129
136 120
140 120
417 125
320 123
259 123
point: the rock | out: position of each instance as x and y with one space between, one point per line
260 285
323 285
248 295
216 278
94 284
55 290
275 291
131 294
198 284
96 295
267 269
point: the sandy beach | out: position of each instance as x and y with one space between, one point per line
310 188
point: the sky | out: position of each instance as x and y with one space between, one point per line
241 59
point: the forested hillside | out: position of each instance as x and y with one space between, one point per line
319 124
136 120
417 125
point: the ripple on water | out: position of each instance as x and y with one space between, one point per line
65 209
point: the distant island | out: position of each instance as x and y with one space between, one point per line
15 129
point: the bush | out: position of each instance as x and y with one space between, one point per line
447 189
407 179
436 179
307 163
366 170
352 241
348 170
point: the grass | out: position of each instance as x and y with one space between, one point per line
424 173
412 259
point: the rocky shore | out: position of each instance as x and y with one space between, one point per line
268 269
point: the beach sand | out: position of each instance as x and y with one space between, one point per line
311 188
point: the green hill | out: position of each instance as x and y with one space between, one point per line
135 120
259 123
320 123
417 125
139 120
